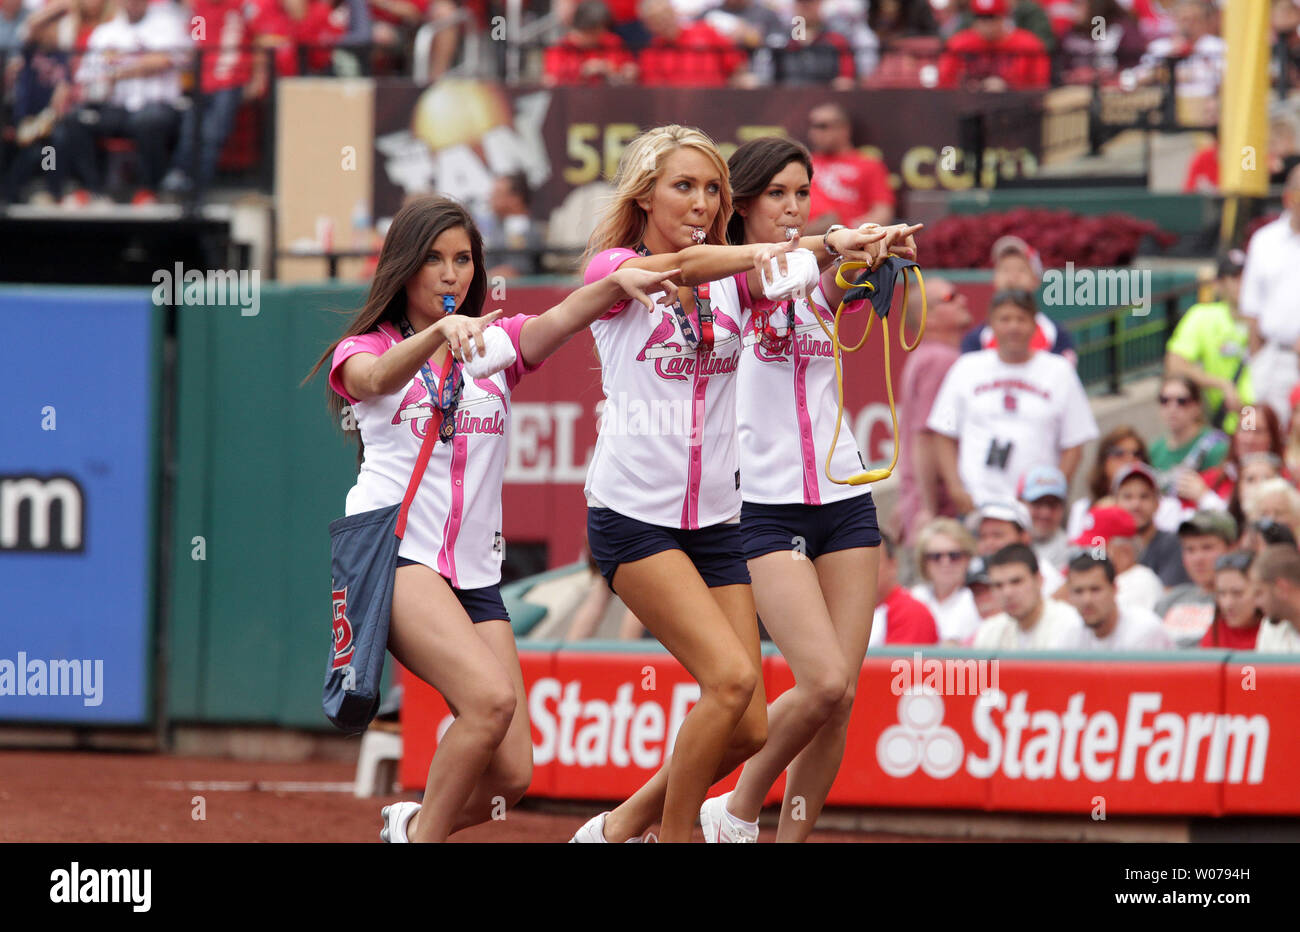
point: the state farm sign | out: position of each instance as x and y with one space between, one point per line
1211 736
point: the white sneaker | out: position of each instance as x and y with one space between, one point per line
719 828
593 832
396 818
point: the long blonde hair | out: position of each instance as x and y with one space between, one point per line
623 221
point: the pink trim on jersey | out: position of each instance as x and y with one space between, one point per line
601 265
451 527
694 468
807 449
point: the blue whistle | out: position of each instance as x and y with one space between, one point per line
449 304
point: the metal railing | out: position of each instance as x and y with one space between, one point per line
1129 345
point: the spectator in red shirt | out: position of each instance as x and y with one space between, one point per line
589 52
287 25
687 55
993 54
1237 614
848 187
228 76
900 618
814 54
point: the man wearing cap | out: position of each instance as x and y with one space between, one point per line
1188 610
1000 524
1004 410
1107 625
1043 490
993 53
1211 346
921 492
1016 264
1137 491
1028 621
981 590
1110 531
1269 285
1276 575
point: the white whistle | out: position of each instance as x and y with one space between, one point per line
800 277
498 353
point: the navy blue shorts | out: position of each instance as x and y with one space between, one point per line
716 551
480 604
812 529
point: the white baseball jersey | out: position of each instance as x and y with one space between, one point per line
1008 418
788 402
454 525
1137 629
666 452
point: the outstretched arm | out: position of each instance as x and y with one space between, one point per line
542 335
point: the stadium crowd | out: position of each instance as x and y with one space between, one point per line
104 76
1181 538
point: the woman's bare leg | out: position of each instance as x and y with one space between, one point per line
508 774
667 594
646 805
848 583
431 636
789 597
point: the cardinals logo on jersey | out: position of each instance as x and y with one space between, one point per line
672 361
1009 401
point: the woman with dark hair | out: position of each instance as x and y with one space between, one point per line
1189 445
449 627
1120 447
817 606
672 550
1237 615
1259 431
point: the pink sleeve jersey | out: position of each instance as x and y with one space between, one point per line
787 404
666 451
455 521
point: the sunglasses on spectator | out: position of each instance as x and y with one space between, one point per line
952 556
1117 452
1181 400
824 124
1238 560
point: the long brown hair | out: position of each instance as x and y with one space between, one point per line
752 167
1098 484
421 220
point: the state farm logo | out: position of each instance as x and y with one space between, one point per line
920 739
1141 741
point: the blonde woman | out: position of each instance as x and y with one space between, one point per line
664 499
943 553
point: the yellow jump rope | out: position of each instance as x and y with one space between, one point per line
853 292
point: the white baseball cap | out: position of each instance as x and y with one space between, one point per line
1014 512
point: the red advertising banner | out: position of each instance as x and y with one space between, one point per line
1087 737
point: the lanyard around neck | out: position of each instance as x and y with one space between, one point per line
702 343
444 392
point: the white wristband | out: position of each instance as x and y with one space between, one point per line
802 274
498 353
